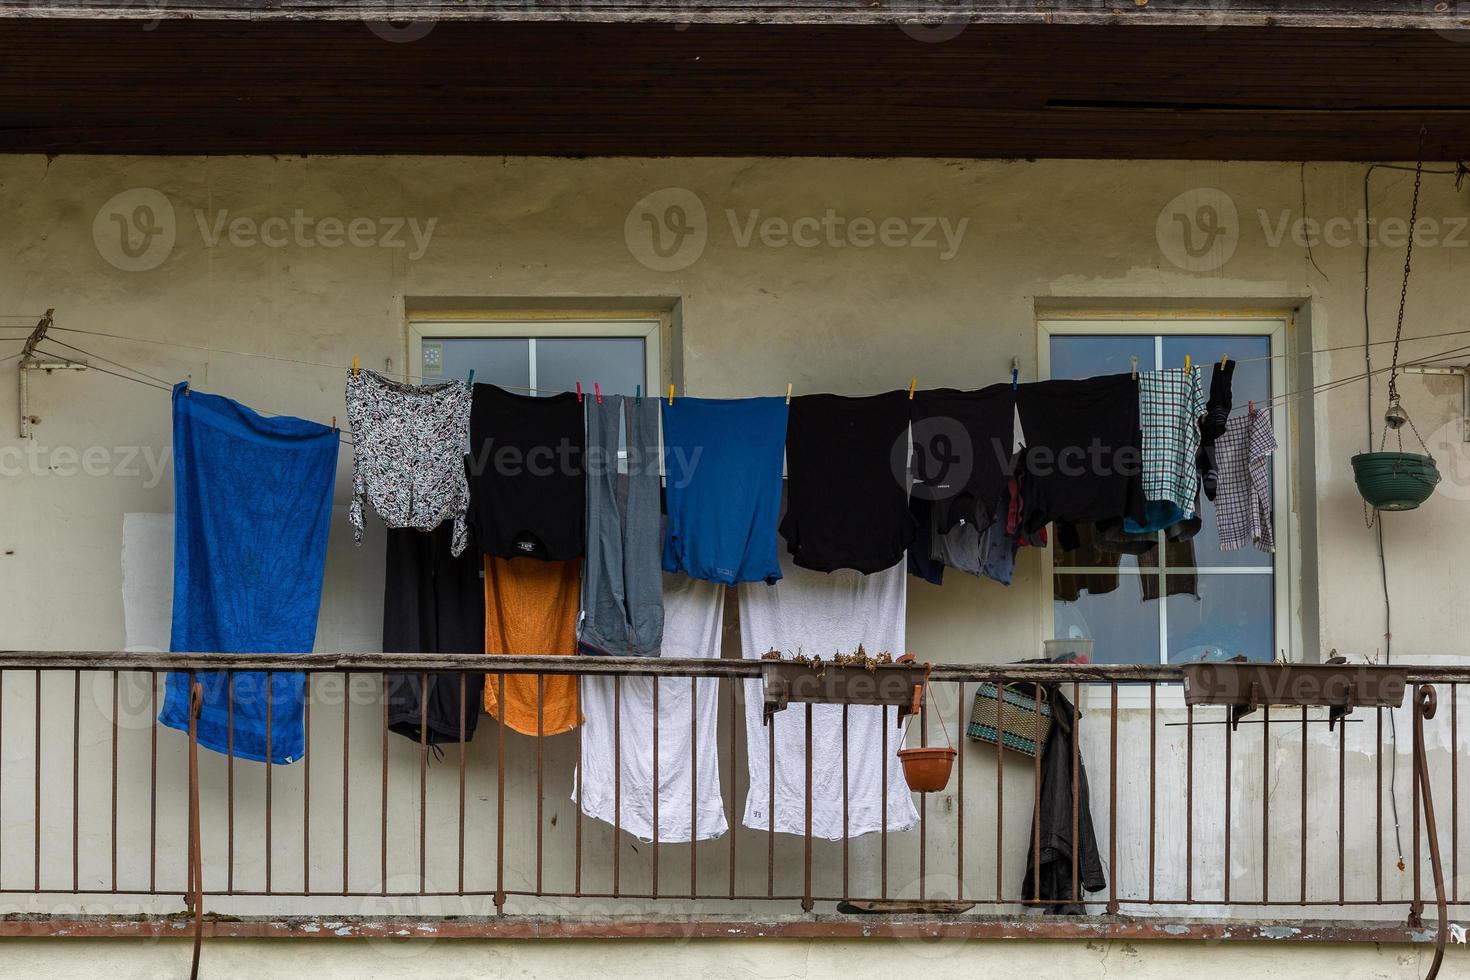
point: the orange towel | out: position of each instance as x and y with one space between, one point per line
531 609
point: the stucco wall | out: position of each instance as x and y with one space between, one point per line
947 284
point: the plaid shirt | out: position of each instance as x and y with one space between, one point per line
1170 404
1243 505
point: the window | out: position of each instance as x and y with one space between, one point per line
540 356
1184 601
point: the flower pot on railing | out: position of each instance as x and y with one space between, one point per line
1395 481
852 679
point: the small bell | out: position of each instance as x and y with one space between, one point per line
1395 417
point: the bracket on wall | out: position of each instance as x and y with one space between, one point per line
30 362
1464 374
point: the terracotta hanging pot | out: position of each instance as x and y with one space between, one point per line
926 768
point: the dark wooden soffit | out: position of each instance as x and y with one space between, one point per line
556 89
1425 14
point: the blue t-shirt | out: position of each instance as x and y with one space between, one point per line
722 472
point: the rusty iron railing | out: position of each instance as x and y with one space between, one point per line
1198 822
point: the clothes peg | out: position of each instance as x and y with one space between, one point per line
579 392
1134 361
1186 363
913 383
597 390
788 392
470 382
1015 378
354 364
1250 410
637 394
1223 359
334 423
671 394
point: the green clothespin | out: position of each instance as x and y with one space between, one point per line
638 395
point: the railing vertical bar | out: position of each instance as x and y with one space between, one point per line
1189 803
1229 752
923 797
76 779
424 774
1418 902
1076 794
733 686
1113 803
806 893
269 744
500 795
540 775
37 855
771 807
1266 804
1377 812
657 792
306 787
1000 790
883 806
1342 810
694 788
1153 771
960 794
577 817
1454 792
1303 856
383 792
113 835
346 770
152 775
463 724
1036 809
617 783
846 837
229 780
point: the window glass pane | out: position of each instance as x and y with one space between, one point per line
1086 356
1125 628
1233 616
504 361
616 363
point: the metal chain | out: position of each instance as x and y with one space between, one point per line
1398 333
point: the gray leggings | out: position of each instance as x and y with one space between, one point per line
622 582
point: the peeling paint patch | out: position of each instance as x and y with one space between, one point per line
1279 932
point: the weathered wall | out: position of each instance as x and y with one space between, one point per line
972 254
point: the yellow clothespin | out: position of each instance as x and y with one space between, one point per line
354 364
788 392
671 394
1223 358
913 383
1186 363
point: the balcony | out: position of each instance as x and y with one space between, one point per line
1282 828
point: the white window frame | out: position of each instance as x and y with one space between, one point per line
648 327
1274 327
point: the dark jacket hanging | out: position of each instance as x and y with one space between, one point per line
1055 819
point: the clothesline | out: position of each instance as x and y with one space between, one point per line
1282 399
410 377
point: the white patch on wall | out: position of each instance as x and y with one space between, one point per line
147 581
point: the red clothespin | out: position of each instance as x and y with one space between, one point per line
1250 409
579 392
334 423
596 387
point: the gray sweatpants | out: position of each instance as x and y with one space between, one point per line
622 581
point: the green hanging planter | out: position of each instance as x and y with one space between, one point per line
1395 481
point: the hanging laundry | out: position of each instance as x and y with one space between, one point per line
408 453
529 494
1052 822
1087 547
1243 502
847 482
987 552
922 562
817 614
622 587
252 506
531 610
1170 406
616 781
433 602
722 465
962 451
1082 458
1212 425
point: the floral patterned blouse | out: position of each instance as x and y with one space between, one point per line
408 460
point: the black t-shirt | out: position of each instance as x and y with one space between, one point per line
962 452
846 490
528 491
1082 460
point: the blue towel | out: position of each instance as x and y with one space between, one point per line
252 504
722 469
